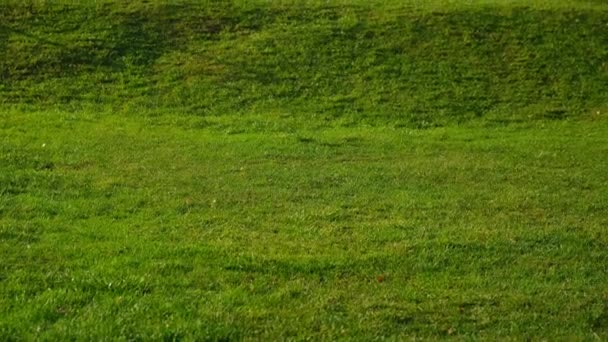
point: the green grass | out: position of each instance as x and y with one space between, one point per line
303 170
418 65
142 229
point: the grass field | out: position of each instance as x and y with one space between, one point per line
303 170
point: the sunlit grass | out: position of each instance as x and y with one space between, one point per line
325 170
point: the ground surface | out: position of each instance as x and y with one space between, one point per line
322 171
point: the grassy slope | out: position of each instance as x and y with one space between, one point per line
161 177
412 65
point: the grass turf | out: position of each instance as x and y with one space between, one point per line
165 179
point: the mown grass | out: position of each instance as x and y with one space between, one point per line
316 170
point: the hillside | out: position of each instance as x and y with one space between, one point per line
407 64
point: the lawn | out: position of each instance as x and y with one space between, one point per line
242 187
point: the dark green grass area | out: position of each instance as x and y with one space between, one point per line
303 170
414 64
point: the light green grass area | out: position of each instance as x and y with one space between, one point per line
141 229
318 170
